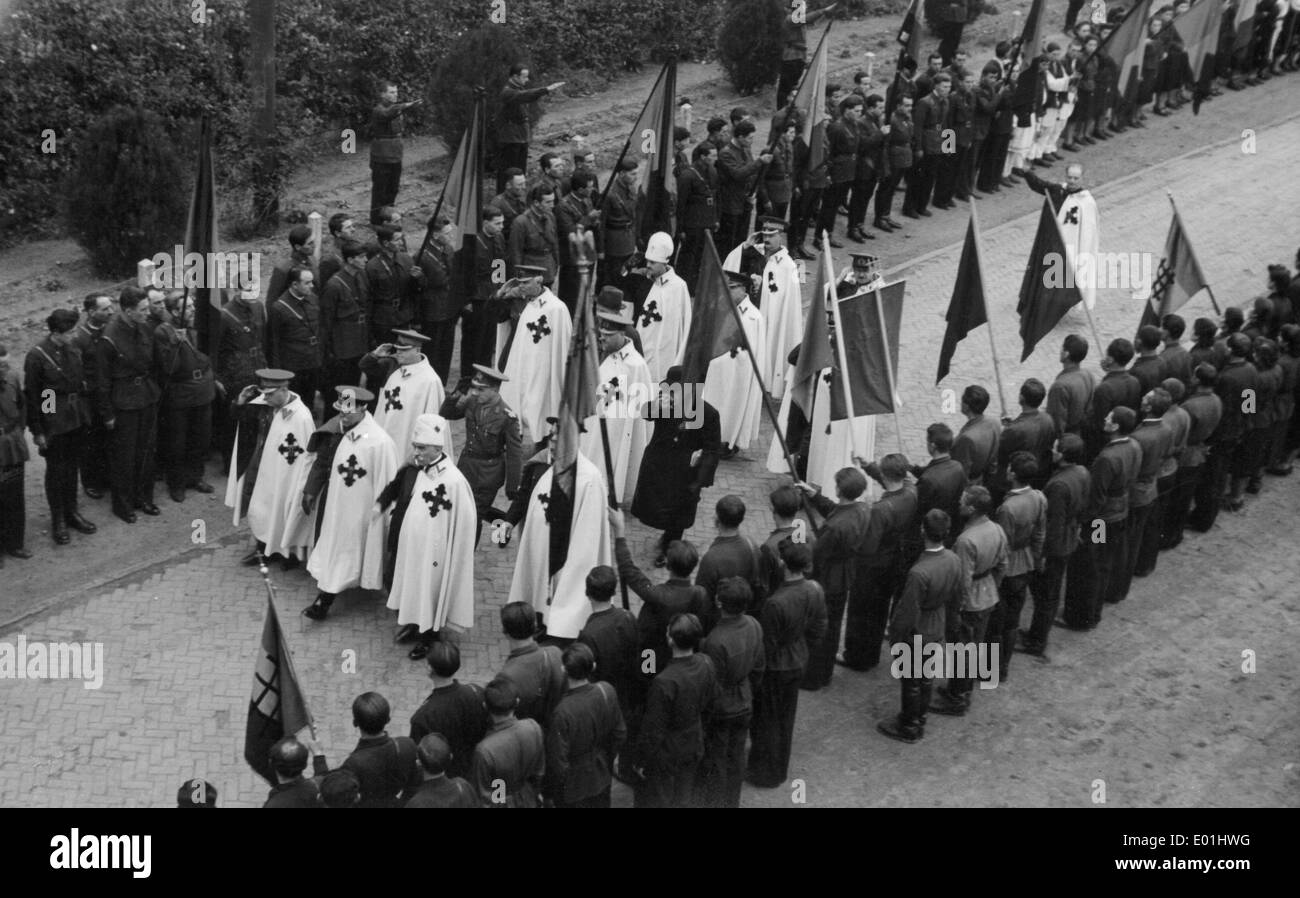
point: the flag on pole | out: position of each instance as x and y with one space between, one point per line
1243 24
810 102
1126 45
201 238
968 308
864 347
1034 31
909 33
277 708
1198 29
577 404
1178 277
715 329
815 350
651 145
463 191
1047 292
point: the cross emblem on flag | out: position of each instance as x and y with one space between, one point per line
650 313
436 500
539 328
290 449
352 471
1160 287
392 399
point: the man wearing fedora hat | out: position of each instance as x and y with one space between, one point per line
611 299
266 487
625 386
493 453
730 385
532 345
355 460
433 577
410 385
665 318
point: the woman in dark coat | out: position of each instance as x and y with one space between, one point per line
679 460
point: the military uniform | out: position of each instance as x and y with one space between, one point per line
94 456
241 352
189 388
59 410
345 329
13 465
1069 397
294 330
127 394
493 453
392 294
617 233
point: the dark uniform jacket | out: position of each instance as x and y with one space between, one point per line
793 618
444 792
987 103
293 327
585 734
539 676
612 636
493 451
617 236
661 602
386 132
931 594
841 151
696 187
1149 372
1031 431
1175 361
976 448
439 295
456 712
387 768
13 416
569 213
1205 410
1067 502
1237 376
940 485
737 178
1068 399
890 529
486 255
1268 385
1116 388
514 752
1155 438
514 120
280 275
898 143
680 699
126 377
961 116
835 553
1114 471
533 242
345 316
932 117
510 207
736 647
188 380
86 341
871 147
57 369
241 348
392 293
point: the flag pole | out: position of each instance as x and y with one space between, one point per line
600 204
988 319
1179 219
428 233
270 600
839 346
889 366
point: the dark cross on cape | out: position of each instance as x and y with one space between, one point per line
392 399
735 351
650 313
545 499
436 499
771 282
352 471
611 391
290 449
538 329
1072 217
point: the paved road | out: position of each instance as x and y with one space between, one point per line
1154 704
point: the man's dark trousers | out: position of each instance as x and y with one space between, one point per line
821 656
916 702
723 770
860 200
772 730
95 458
385 179
1082 587
1137 522
134 433
867 617
970 630
188 434
1004 622
1111 567
1047 599
63 456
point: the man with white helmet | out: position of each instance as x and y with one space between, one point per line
665 318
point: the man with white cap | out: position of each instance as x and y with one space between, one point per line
355 459
410 385
665 317
625 387
730 385
268 480
433 578
493 453
532 345
782 304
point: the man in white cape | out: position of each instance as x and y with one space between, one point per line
562 599
625 388
433 578
531 350
665 318
411 387
781 302
730 385
1076 213
355 460
266 484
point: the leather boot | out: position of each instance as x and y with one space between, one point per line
1234 501
59 529
318 609
80 524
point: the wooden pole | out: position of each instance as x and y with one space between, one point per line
839 347
889 367
988 318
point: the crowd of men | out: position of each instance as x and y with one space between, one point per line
330 401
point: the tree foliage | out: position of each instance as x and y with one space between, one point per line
749 43
127 194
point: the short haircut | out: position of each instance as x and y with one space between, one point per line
60 321
1149 337
518 620
716 124
1174 387
340 789
288 757
940 435
797 557
351 249
850 482
936 524
337 220
131 296
434 753
1002 48
976 397
1023 465
1120 351
370 712
1125 419
734 595
501 695
852 101
495 211
785 501
874 100
1204 330
545 160
685 632
1239 345
578 660
740 129
581 179
893 467
601 583
299 235
296 273
518 68
1233 317
1032 393
1075 347
701 150
1174 325
92 300
443 658
1158 401
1071 447
979 499
1206 374
730 511
942 78
511 172
680 133
935 55
682 558
537 191
386 233
738 113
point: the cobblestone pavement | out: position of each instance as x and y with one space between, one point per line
1154 704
